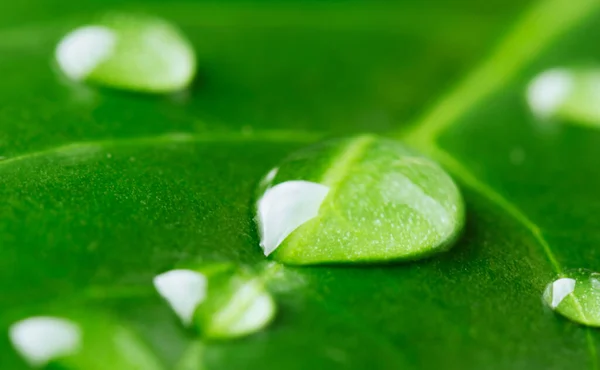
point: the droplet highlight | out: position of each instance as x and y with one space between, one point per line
361 199
184 290
129 52
42 339
570 94
84 49
576 295
560 289
286 206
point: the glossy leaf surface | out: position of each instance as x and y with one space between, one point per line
102 190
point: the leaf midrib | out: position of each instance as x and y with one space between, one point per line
538 28
81 147
333 177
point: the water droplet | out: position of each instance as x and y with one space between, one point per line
42 339
361 199
184 290
576 295
128 52
569 94
221 301
75 343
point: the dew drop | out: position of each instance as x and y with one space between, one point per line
128 52
361 199
568 94
575 295
42 339
217 299
76 342
184 290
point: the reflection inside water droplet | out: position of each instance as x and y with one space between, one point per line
576 295
184 290
571 94
397 188
559 289
269 177
43 339
595 279
286 206
82 50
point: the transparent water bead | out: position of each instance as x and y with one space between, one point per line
76 342
129 52
576 295
42 339
220 301
566 93
360 199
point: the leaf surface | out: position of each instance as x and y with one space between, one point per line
104 189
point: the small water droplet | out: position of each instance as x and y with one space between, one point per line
220 301
75 343
566 93
43 339
357 199
575 294
128 52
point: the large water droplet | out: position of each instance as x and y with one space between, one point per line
576 295
221 301
42 339
568 94
128 52
358 199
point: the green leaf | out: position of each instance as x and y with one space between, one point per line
103 190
